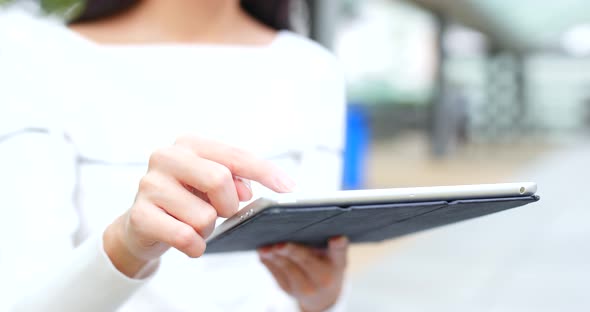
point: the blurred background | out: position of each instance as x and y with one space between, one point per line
458 92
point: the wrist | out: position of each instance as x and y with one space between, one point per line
118 252
304 309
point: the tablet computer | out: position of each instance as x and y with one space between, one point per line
361 215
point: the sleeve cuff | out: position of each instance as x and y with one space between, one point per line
89 282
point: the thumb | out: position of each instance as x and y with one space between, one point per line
338 250
244 188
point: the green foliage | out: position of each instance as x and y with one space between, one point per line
379 91
67 9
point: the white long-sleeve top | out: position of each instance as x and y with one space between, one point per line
78 122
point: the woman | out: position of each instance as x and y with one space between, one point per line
87 110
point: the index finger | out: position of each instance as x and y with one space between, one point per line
240 162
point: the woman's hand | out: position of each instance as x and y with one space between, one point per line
187 186
314 277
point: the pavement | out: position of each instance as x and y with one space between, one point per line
533 258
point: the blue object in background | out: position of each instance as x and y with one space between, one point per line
356 147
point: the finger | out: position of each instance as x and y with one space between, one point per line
338 250
240 163
180 203
244 189
267 259
156 224
298 281
204 175
316 268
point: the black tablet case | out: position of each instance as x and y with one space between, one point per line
362 223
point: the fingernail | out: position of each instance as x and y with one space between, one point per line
339 242
265 249
265 252
286 184
246 182
267 255
282 248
